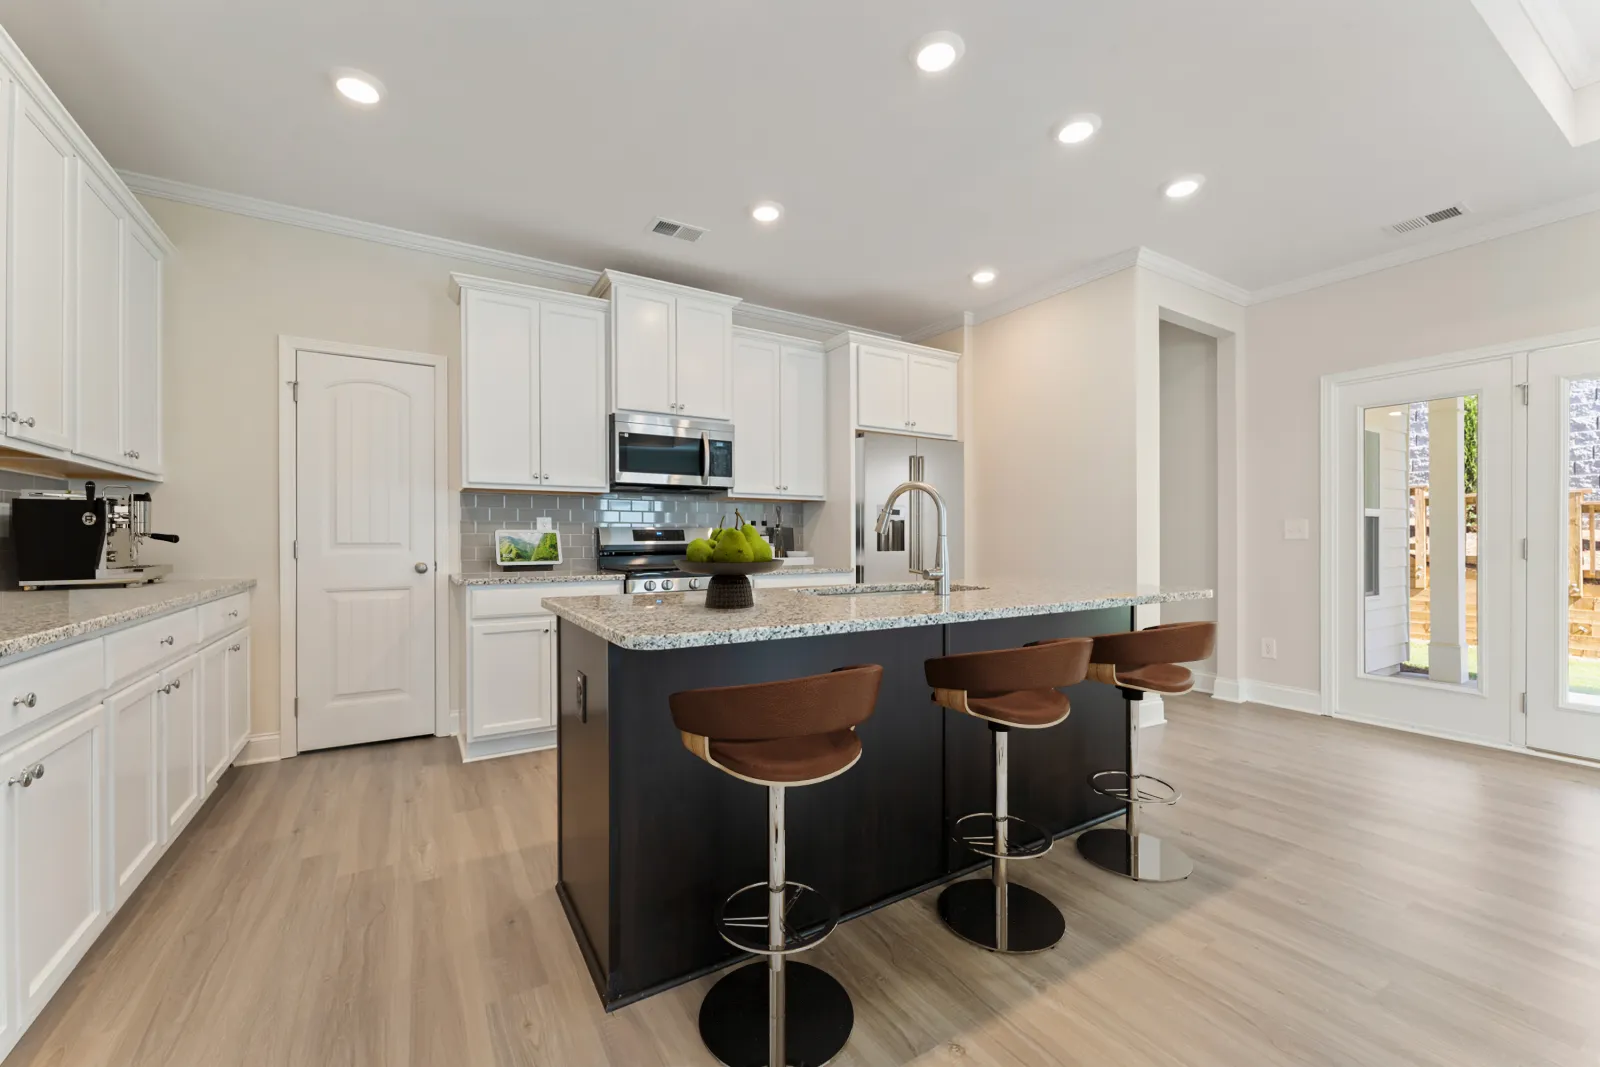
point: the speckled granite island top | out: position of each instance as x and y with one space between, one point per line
550 577
31 621
654 622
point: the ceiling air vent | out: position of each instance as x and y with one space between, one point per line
682 231
1422 222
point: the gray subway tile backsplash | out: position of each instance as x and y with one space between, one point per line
575 518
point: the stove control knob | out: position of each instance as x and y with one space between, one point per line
697 583
650 586
666 584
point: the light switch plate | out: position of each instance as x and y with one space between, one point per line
544 524
1296 529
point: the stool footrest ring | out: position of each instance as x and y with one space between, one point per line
1031 844
1146 788
808 918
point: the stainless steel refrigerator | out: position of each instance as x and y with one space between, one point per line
883 461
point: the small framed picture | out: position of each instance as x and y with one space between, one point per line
527 548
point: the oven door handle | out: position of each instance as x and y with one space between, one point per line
705 459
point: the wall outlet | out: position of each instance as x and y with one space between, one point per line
1269 648
544 524
1296 529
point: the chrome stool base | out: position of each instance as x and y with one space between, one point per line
1142 857
733 1017
1032 924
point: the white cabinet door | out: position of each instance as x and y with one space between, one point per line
804 422
99 333
704 367
511 667
645 331
572 388
39 363
238 692
55 851
141 352
214 753
181 781
756 418
135 784
932 392
881 388
500 389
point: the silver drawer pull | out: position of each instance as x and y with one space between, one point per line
167 640
29 700
234 614
234 648
27 421
30 774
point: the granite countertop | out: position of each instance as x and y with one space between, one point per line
31 621
649 622
541 577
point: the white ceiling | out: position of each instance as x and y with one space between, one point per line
561 130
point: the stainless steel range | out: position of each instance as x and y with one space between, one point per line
648 556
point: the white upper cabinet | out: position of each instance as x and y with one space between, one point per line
902 388
803 440
779 417
671 347
533 412
99 335
80 331
39 345
756 415
931 393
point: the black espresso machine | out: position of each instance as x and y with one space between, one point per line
67 539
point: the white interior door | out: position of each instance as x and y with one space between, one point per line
365 482
1424 563
1563 555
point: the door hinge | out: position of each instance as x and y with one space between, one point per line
1524 703
294 392
294 548
1523 388
1524 548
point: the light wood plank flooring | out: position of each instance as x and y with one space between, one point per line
1361 897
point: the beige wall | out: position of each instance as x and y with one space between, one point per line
1189 471
234 286
1529 285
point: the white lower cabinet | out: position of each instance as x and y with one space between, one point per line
55 836
238 693
511 669
135 784
215 740
182 782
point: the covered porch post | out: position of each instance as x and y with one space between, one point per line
1447 540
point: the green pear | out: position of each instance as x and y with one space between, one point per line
733 548
700 550
758 544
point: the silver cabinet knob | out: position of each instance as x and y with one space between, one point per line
234 614
10 416
169 639
27 700
234 648
421 568
30 774
27 421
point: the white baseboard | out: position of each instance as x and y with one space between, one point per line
1281 696
259 748
1152 712
510 745
1204 681
1226 689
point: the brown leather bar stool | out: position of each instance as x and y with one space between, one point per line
1140 662
779 735
1011 689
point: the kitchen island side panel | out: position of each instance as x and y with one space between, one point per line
1050 768
690 834
586 852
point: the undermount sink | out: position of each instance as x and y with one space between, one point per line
896 588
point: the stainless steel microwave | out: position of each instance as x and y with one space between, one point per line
659 451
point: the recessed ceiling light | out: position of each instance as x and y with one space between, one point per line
1183 188
983 276
767 212
1078 129
358 87
937 52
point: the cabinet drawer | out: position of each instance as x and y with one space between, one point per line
34 688
220 616
505 601
140 647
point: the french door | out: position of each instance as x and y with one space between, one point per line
1466 549
1563 556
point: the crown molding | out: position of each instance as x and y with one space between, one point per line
1438 246
1168 267
786 322
939 326
251 207
271 211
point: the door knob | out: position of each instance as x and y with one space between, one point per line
421 568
